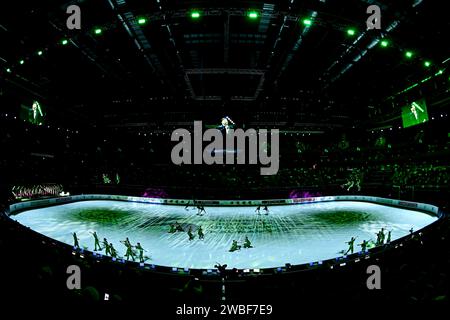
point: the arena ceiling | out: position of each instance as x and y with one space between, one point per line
157 54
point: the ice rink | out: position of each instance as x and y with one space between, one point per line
288 234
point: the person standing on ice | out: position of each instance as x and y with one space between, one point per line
113 250
129 253
350 245
75 241
191 236
96 241
201 235
106 247
363 246
141 252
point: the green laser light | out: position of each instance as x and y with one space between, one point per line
253 15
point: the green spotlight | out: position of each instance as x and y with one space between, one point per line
98 31
64 42
39 53
384 43
351 32
253 15
22 61
8 70
142 21
307 22
427 64
409 54
195 14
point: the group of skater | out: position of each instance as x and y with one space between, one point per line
382 238
176 227
111 251
246 245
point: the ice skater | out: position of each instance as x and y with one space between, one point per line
200 233
266 210
388 240
113 250
172 229
75 241
247 243
258 209
107 247
350 245
235 246
96 241
129 253
178 227
191 236
200 209
363 245
380 237
141 252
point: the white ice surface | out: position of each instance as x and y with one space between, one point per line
289 234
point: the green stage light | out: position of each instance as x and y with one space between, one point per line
409 54
427 64
307 22
98 31
384 43
142 21
40 52
22 61
64 42
195 14
253 15
351 32
8 70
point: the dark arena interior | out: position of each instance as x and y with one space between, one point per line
224 158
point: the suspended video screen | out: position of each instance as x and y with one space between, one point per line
33 113
415 113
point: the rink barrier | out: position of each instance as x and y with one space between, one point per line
22 206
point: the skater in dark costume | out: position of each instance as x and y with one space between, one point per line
411 231
191 236
141 252
382 236
106 247
247 243
258 209
200 209
113 250
96 241
235 246
172 229
178 227
266 210
75 241
389 237
363 245
129 253
350 245
201 235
